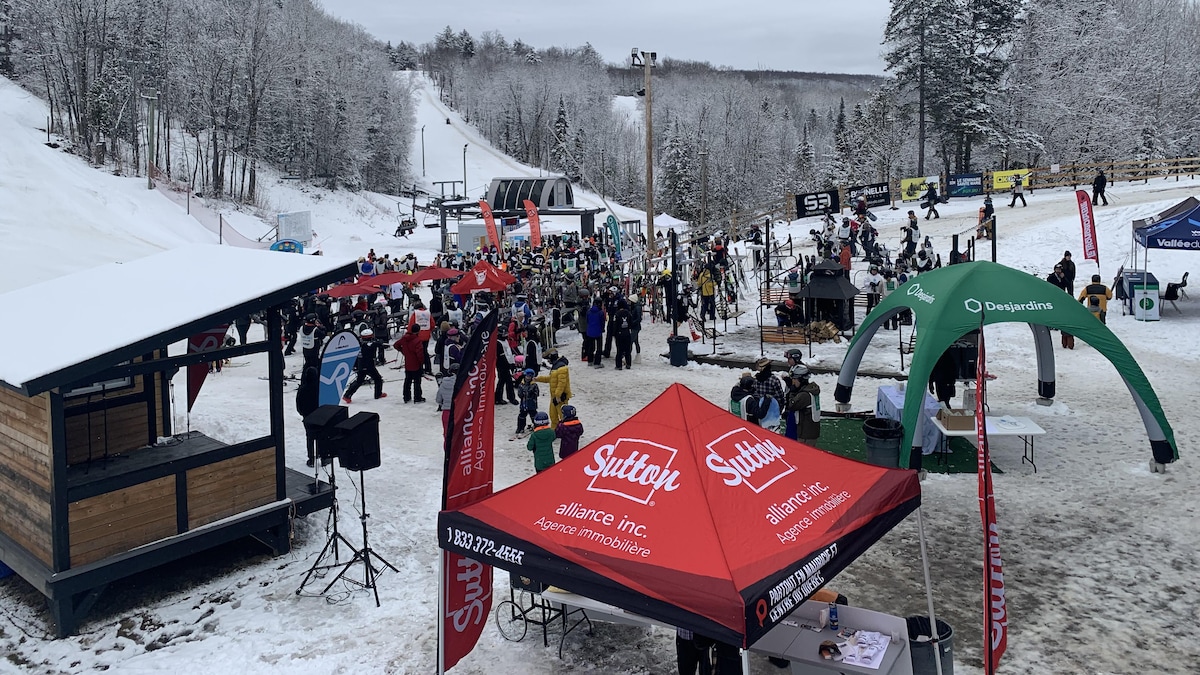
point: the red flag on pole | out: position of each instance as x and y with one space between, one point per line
1088 223
535 223
490 221
995 611
466 594
202 342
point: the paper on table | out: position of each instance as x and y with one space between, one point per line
866 649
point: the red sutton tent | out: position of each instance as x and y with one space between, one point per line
688 515
484 276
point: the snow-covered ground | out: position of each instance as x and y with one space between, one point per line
1101 556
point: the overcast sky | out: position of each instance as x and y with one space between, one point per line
834 36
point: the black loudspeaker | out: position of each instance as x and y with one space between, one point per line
321 425
358 442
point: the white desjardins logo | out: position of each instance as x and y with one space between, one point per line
742 458
921 294
975 306
633 468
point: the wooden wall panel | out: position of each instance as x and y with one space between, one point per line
162 409
126 428
25 469
230 487
118 521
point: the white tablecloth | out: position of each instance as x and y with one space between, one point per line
889 403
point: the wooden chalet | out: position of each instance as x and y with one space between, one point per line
95 484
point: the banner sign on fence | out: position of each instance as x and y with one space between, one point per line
912 189
877 194
1002 181
965 185
817 204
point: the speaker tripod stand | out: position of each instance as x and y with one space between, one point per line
332 544
366 555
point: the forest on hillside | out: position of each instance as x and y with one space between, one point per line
985 84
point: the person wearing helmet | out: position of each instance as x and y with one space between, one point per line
873 286
621 330
445 394
413 351
742 399
594 336
364 368
793 356
569 430
527 399
635 324
559 379
311 338
293 318
423 319
541 442
801 405
613 302
1095 297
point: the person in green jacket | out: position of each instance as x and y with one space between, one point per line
541 442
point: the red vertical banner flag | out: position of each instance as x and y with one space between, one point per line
535 224
995 610
1088 223
489 221
467 584
202 342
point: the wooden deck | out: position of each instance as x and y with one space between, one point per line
302 493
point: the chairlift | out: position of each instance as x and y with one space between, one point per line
406 223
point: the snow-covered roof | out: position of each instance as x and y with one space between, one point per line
105 315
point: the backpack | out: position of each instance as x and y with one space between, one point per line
1094 303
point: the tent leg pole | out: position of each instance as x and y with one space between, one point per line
937 651
746 661
441 609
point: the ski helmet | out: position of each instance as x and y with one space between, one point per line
799 371
569 412
541 418
794 354
367 333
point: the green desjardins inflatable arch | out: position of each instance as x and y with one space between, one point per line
950 302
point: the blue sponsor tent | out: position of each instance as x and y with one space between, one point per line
1176 228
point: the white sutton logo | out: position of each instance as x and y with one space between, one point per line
741 457
634 469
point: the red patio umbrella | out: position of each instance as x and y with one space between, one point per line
483 277
347 290
690 515
435 272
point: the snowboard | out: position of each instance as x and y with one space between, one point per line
872 216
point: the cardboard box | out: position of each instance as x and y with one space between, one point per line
957 420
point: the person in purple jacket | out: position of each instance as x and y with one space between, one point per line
569 430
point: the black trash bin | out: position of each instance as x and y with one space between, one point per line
678 348
883 441
921 646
